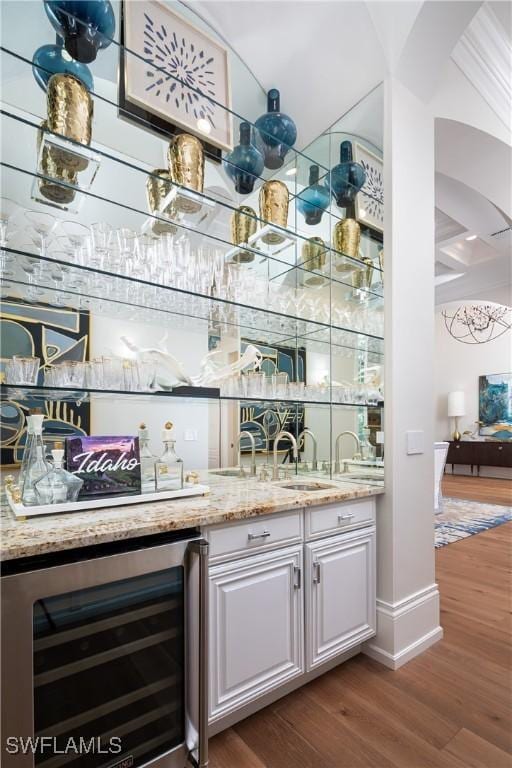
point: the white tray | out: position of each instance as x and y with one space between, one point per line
20 510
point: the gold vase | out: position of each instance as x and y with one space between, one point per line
49 166
158 186
314 257
362 278
274 197
243 225
346 239
70 110
186 165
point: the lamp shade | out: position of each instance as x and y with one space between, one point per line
456 404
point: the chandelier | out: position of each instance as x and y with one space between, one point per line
478 323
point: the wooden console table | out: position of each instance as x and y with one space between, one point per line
478 453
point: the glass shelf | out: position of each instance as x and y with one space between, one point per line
120 189
38 273
15 392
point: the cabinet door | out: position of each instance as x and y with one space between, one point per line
340 594
256 627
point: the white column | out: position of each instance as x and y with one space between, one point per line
407 596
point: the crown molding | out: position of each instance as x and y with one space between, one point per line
484 55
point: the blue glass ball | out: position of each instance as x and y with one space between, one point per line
277 131
86 26
52 59
245 163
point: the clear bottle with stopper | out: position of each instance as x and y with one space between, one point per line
147 462
34 463
58 485
169 467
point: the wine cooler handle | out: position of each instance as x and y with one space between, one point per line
201 547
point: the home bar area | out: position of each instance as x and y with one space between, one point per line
192 381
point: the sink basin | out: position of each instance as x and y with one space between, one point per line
364 478
227 473
307 486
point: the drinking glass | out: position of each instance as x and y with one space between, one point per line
112 373
8 210
280 384
146 374
22 370
255 382
43 225
94 373
72 373
101 241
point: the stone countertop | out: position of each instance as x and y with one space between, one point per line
229 499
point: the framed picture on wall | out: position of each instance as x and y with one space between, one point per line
495 406
174 76
370 200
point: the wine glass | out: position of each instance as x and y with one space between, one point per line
42 224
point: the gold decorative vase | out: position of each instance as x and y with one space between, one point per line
49 165
186 165
346 239
274 197
243 226
158 186
362 278
70 110
314 257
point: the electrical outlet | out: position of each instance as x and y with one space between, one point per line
415 441
190 435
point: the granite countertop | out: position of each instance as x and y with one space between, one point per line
229 499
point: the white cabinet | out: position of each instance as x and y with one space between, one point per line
256 627
340 594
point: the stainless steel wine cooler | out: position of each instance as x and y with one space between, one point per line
104 659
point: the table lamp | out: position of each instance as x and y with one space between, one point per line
456 408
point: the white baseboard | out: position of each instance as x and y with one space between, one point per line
405 628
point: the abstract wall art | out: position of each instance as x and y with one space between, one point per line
174 72
495 406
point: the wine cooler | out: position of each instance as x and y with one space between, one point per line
104 659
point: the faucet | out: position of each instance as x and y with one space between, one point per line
302 436
275 470
337 464
245 433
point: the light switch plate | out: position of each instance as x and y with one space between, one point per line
415 441
190 434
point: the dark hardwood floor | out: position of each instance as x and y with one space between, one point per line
484 489
448 708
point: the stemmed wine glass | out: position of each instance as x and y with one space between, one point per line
8 210
42 224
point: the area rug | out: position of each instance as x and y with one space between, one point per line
461 518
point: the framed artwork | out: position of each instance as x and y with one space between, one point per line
193 81
370 200
495 406
54 335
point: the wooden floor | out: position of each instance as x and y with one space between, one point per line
485 489
448 708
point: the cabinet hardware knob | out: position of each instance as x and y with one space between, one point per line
500 447
296 577
316 573
344 518
262 535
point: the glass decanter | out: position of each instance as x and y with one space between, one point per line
147 462
169 467
58 485
34 464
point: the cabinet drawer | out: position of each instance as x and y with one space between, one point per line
255 535
334 518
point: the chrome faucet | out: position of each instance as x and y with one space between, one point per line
275 470
302 436
245 433
337 463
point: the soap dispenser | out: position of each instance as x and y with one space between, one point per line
169 467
